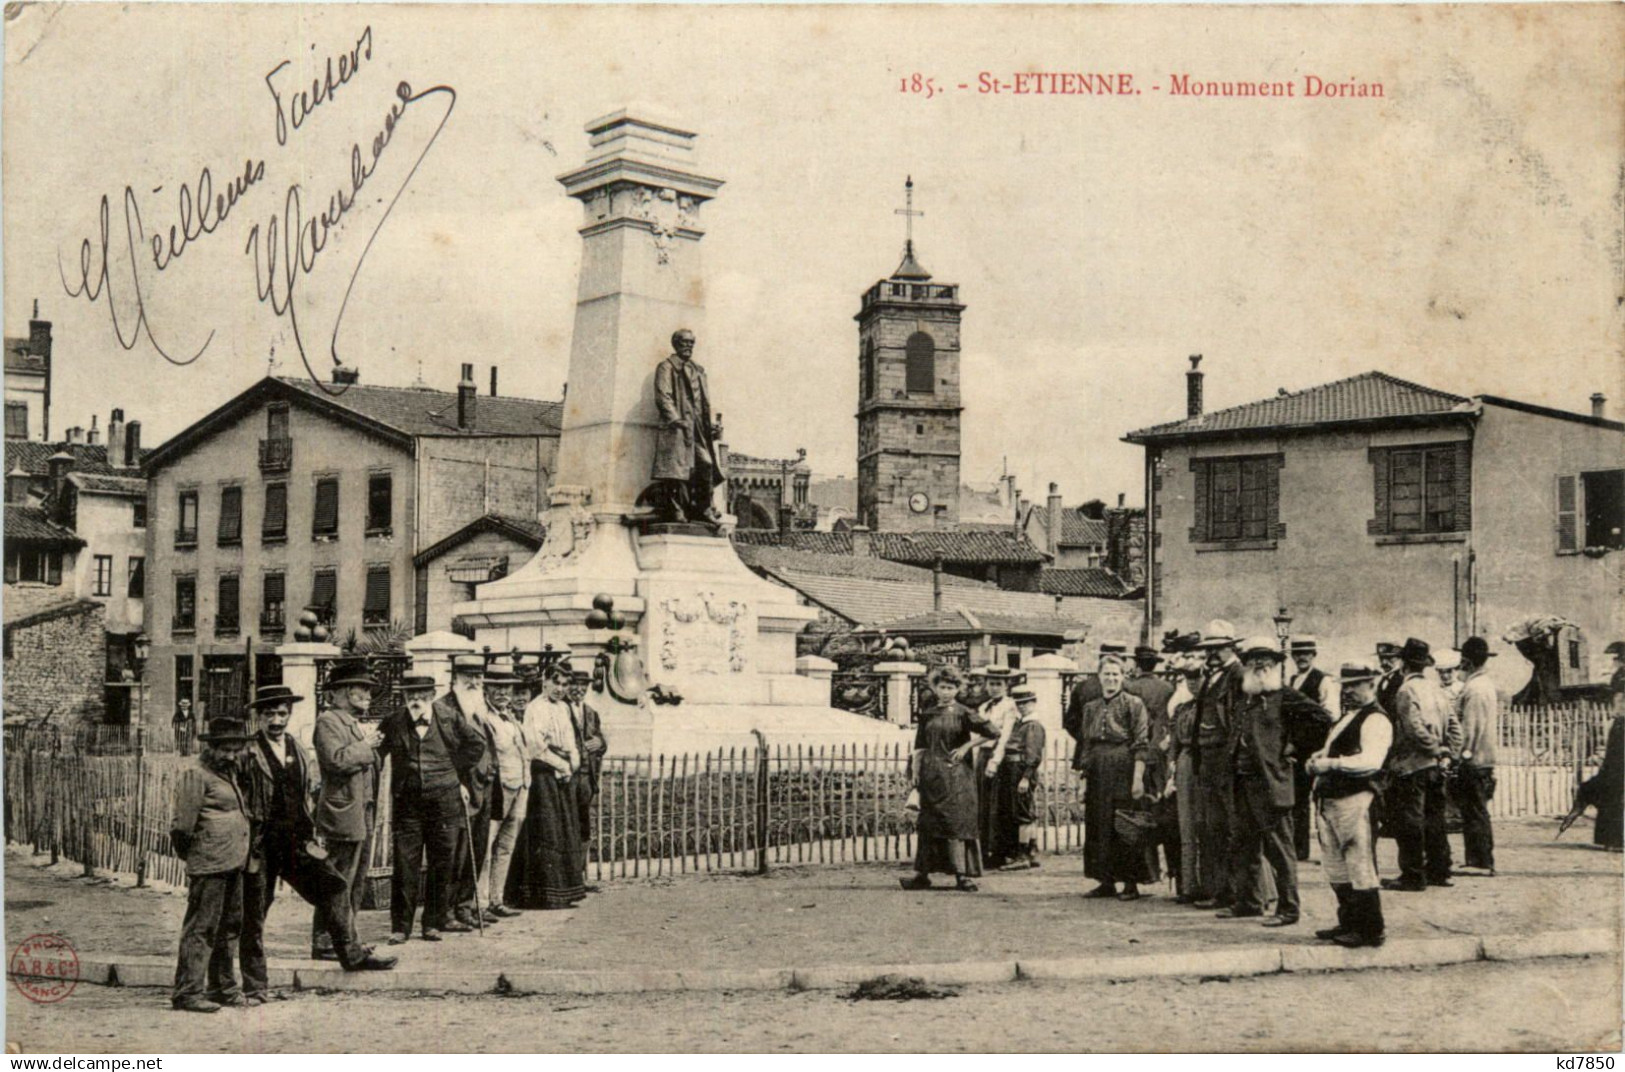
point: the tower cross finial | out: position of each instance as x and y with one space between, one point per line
907 212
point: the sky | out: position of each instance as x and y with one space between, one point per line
1462 231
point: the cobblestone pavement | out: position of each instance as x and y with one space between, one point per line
800 917
1569 1006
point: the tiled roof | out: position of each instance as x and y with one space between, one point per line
960 620
775 560
1370 396
104 484
420 411
927 547
32 524
1076 530
32 456
865 601
18 359
827 543
917 548
1083 582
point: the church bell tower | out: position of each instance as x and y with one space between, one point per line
908 397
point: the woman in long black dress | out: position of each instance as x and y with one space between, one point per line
1606 789
947 835
1113 751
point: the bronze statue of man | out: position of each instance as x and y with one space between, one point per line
686 468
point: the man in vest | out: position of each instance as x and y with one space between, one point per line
1347 772
431 749
1309 680
1216 701
1261 734
1426 734
279 781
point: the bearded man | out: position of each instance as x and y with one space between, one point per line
1269 718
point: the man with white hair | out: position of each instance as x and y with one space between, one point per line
1261 734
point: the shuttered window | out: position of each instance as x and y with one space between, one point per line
921 354
138 578
16 420
375 610
380 502
324 593
1421 490
1568 535
186 529
1237 499
327 507
273 593
275 525
230 531
226 606
185 604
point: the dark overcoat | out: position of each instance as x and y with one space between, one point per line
1269 722
682 418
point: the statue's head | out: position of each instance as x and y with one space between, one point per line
682 341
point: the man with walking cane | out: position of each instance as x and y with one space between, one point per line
432 750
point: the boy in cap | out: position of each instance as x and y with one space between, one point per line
1017 775
209 830
1348 772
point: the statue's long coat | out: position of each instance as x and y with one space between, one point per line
675 443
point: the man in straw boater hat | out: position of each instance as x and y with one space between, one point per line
209 830
1308 679
1261 734
279 779
1426 735
431 750
1348 772
511 787
999 709
1216 702
348 753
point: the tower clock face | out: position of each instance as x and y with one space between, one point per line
918 502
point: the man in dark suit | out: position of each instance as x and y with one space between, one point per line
279 782
1308 679
686 467
1216 701
1154 692
1261 733
433 749
1393 675
471 678
593 745
347 751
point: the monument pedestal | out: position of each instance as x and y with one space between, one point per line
707 629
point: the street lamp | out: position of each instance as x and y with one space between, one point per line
1283 626
140 648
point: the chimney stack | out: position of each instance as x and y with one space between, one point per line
493 381
1052 530
936 585
75 435
1193 388
93 437
132 445
345 375
861 545
466 393
39 344
1120 497
1599 405
115 439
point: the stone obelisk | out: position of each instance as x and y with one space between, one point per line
706 627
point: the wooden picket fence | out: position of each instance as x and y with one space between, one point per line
728 810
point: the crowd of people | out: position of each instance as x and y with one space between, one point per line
490 792
1214 760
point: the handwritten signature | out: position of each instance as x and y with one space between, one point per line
110 266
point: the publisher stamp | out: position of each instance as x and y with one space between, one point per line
45 968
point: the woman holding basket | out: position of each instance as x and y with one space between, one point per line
945 779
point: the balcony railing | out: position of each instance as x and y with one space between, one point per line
889 290
186 537
276 455
273 621
179 624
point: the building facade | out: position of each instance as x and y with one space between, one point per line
761 490
28 382
298 495
1376 509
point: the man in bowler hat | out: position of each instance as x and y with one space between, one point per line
347 751
209 830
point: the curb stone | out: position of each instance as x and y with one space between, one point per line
1252 960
